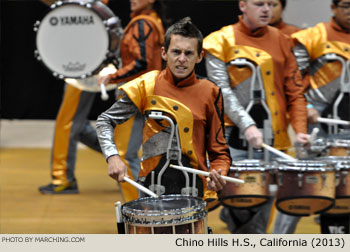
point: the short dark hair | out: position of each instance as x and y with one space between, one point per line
335 2
185 28
283 3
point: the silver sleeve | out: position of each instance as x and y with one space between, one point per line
216 71
302 57
119 112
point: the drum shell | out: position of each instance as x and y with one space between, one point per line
254 192
187 219
338 147
307 190
342 183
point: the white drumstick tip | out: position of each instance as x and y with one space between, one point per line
104 95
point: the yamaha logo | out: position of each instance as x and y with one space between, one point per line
71 20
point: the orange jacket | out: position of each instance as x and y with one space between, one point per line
272 51
324 38
141 46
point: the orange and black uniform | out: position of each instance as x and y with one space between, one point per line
321 78
199 122
281 78
270 52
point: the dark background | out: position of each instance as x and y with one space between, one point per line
29 91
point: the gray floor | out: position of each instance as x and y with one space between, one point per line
27 133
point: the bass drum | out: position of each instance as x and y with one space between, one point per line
76 39
168 214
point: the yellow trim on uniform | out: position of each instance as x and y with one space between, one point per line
221 44
64 122
316 43
141 93
122 134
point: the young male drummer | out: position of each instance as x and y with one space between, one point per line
323 77
251 39
194 105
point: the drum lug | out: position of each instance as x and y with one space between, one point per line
237 176
157 188
58 3
345 174
280 179
337 179
189 191
37 55
36 26
300 179
263 177
323 176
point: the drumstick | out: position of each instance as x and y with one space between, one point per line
313 135
203 173
104 95
110 69
332 121
140 187
277 152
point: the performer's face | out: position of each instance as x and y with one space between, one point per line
256 13
276 11
182 55
139 5
342 13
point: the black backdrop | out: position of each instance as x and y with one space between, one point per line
29 91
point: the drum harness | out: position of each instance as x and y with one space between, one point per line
344 87
173 154
320 145
257 96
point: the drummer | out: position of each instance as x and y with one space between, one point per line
322 77
194 104
250 39
140 52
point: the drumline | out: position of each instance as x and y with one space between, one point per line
305 187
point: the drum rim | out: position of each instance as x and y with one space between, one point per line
165 217
127 209
74 2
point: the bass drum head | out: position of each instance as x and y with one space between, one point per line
72 41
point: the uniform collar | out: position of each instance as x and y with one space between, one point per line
188 81
143 12
242 26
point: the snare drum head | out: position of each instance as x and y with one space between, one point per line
167 209
72 41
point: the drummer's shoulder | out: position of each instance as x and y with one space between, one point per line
144 78
205 84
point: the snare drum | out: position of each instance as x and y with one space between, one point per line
257 176
168 214
76 39
342 182
305 187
